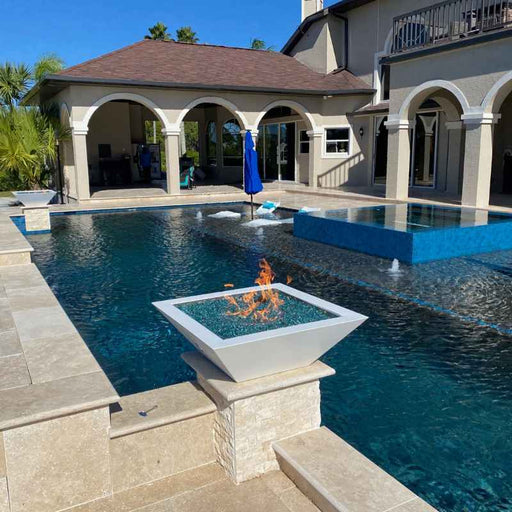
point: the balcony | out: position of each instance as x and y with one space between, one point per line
449 21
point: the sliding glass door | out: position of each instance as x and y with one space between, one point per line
277 141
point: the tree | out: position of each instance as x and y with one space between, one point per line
259 44
47 65
28 135
14 82
186 35
158 32
28 143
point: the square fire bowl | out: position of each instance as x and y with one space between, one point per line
267 350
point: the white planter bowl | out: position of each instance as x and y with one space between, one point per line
34 198
268 351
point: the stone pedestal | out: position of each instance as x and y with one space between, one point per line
252 415
37 218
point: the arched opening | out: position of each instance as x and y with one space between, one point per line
125 148
501 175
283 143
436 142
211 141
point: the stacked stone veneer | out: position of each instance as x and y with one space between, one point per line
244 430
252 415
37 219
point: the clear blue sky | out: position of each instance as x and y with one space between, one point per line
80 30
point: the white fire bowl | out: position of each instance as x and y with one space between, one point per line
34 198
270 351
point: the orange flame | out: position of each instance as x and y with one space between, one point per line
263 305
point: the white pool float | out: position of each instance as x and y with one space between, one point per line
225 215
267 207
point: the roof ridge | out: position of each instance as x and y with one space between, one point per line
108 54
219 46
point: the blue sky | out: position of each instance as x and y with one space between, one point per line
80 30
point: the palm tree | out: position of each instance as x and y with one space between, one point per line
28 145
14 82
186 35
47 65
158 32
259 44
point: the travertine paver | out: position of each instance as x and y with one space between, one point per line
206 489
357 484
9 343
13 372
166 405
57 357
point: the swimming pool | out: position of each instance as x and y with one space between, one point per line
426 395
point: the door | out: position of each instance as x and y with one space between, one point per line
271 135
279 151
424 150
287 152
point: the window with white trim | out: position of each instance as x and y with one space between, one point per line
303 142
337 141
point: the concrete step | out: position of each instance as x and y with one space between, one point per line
336 477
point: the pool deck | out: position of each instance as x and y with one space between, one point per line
54 398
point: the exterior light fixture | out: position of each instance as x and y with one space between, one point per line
361 131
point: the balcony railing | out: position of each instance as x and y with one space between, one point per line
449 21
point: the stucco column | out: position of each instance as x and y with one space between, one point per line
315 156
478 148
399 159
172 158
79 138
453 170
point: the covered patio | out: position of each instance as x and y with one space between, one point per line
189 107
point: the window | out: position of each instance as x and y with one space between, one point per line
385 81
337 141
304 142
232 144
211 143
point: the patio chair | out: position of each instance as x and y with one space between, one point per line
187 178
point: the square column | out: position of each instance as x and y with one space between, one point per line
476 181
79 138
454 167
399 159
37 218
172 158
252 415
315 156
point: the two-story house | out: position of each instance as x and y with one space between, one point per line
411 96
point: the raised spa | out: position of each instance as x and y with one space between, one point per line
412 233
245 348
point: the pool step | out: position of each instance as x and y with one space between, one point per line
336 477
159 433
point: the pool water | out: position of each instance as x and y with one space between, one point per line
423 388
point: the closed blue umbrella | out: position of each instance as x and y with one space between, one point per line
252 181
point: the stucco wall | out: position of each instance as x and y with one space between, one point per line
473 70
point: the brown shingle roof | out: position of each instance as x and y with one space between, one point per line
178 64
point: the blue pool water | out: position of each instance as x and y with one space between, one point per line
423 388
411 233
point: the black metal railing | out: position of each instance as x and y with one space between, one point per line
448 21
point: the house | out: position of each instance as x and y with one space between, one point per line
414 97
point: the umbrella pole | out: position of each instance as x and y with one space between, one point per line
252 209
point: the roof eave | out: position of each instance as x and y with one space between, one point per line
337 8
70 80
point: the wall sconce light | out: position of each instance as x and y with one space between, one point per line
361 131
